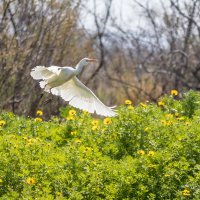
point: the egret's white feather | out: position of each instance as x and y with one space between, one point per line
41 72
82 97
62 81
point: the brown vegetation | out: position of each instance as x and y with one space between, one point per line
138 65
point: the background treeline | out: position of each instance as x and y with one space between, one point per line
139 64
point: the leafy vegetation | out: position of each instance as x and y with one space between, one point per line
150 151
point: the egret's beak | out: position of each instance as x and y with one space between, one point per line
92 60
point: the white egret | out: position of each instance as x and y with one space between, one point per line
62 81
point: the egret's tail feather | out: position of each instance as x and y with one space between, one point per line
37 72
41 72
45 86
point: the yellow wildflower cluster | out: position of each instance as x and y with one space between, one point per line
70 118
38 119
73 133
161 103
30 181
174 92
88 149
130 107
2 123
128 102
71 115
141 152
166 122
72 112
39 113
32 141
151 153
95 124
107 121
186 192
94 128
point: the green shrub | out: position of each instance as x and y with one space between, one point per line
147 152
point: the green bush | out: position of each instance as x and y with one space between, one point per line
150 151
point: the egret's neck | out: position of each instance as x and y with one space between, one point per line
79 68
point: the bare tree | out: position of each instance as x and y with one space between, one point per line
147 62
35 33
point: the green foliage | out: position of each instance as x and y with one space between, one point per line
146 152
190 103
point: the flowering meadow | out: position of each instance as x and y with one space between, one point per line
149 151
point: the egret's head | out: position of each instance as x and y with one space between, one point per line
86 61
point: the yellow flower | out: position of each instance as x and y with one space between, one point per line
73 133
174 92
161 103
94 128
70 118
78 141
30 181
39 113
1 181
128 102
2 122
166 123
143 105
72 112
25 138
31 141
186 192
147 129
88 149
95 122
130 107
38 119
140 152
107 121
151 153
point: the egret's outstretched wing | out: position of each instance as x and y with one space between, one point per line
82 97
41 72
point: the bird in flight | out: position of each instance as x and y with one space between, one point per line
62 81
